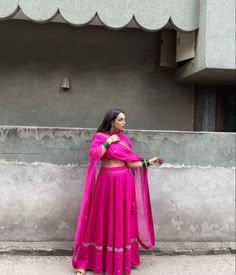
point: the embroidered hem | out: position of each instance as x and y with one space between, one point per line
110 248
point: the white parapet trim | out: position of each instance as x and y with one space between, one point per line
150 15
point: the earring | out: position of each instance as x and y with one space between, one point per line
112 128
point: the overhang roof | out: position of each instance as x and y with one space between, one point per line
151 15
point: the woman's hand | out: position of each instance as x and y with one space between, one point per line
156 161
113 139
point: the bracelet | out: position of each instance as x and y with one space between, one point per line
106 144
146 163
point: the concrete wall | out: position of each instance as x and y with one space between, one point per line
106 69
215 45
42 174
220 34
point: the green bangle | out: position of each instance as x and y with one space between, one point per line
146 163
106 144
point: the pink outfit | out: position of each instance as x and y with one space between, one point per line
115 213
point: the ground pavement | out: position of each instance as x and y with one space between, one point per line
151 265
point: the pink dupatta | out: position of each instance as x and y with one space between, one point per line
120 151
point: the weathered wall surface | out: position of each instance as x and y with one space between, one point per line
215 45
106 69
192 194
62 146
220 34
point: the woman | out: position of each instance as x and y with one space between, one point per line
116 213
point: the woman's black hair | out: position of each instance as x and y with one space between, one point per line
110 116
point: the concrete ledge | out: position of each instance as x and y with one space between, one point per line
161 249
36 248
63 146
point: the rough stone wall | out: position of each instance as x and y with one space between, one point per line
42 174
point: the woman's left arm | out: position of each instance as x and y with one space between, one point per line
145 163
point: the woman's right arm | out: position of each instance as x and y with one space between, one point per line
108 142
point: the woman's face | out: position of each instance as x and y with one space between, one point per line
119 122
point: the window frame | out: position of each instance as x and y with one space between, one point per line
221 92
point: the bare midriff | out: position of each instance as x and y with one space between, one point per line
112 163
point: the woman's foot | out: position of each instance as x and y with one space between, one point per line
80 271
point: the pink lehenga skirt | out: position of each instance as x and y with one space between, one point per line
110 243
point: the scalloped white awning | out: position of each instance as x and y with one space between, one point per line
151 15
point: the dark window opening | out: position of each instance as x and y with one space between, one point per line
215 109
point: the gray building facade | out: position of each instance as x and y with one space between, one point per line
118 53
